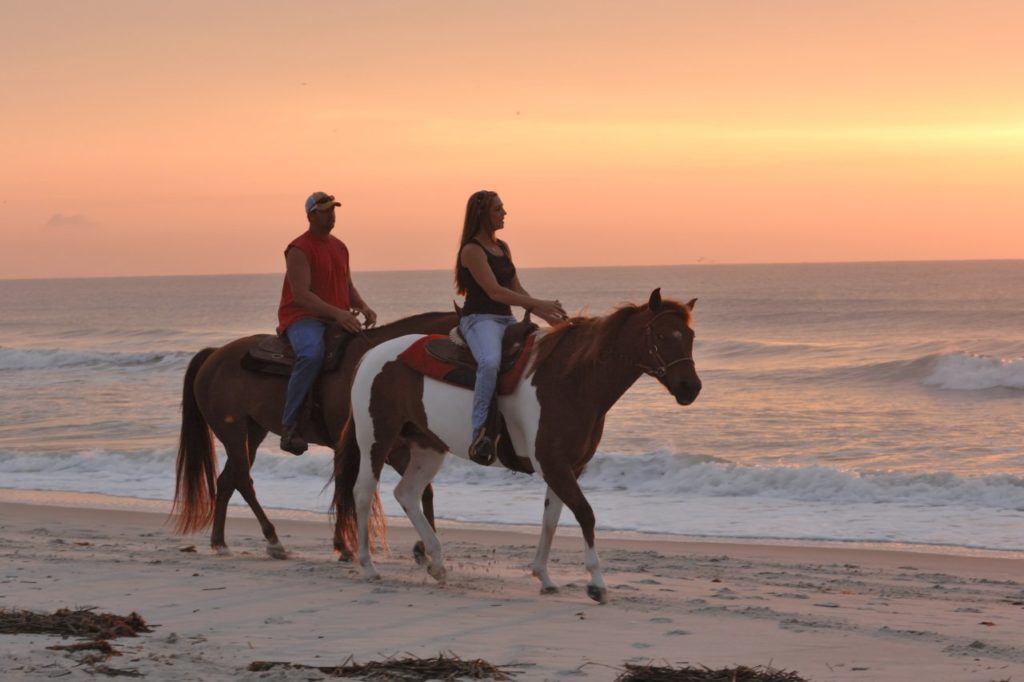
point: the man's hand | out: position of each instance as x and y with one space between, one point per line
348 321
369 317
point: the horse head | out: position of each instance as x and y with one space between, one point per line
667 349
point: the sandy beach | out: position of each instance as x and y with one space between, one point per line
829 613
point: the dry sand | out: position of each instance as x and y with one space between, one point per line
829 613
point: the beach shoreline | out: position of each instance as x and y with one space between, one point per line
77 500
829 613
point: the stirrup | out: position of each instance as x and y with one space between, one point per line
483 450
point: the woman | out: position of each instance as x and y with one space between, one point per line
484 273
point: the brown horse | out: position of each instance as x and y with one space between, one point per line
554 420
240 407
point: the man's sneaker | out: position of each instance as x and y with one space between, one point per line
292 442
483 450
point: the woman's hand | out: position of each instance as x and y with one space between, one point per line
549 311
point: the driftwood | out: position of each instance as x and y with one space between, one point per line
412 668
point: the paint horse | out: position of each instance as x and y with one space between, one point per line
577 372
240 407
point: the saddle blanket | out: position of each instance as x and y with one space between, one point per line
420 359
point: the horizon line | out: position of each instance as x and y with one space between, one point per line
546 267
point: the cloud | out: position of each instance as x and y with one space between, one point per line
76 220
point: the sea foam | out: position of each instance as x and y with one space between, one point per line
661 474
968 372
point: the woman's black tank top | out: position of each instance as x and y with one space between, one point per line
477 300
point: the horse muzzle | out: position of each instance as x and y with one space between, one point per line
687 392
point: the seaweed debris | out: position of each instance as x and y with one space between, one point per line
411 668
651 673
68 623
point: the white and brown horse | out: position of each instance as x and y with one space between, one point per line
554 418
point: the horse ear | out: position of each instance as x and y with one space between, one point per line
655 301
692 302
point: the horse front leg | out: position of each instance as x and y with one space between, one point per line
423 465
552 512
563 483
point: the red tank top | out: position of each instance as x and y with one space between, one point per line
329 277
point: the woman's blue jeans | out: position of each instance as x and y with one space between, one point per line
483 334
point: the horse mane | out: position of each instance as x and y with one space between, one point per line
594 334
413 321
413 318
368 338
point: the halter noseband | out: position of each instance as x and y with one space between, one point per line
660 370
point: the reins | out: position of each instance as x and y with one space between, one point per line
660 370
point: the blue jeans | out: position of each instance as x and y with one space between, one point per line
307 339
483 334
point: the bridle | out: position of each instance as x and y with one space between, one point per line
658 371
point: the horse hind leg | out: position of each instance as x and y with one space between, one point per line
240 447
399 460
419 551
424 464
254 438
225 489
274 547
364 492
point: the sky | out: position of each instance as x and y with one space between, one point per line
149 138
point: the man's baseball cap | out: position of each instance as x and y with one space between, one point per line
320 201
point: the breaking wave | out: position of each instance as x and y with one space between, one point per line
20 359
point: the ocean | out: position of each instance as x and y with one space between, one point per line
878 403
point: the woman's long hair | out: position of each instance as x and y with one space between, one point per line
478 216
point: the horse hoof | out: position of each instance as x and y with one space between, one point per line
419 553
439 574
345 556
221 551
550 589
598 594
372 577
277 551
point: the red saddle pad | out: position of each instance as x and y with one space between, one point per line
417 357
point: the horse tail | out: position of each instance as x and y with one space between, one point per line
195 489
346 472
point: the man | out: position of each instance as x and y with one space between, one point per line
317 291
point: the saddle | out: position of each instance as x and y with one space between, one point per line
272 354
448 359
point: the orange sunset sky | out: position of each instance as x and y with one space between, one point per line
152 138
